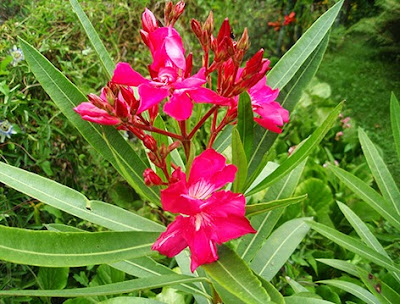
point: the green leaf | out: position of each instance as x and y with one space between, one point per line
94 38
275 295
53 278
245 123
72 249
354 289
231 273
384 293
264 207
265 223
288 98
184 261
297 287
395 120
304 300
239 160
139 267
73 202
301 153
130 300
110 289
291 62
380 172
362 230
223 139
341 265
279 247
367 194
354 245
67 96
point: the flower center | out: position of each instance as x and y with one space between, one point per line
167 75
201 189
201 219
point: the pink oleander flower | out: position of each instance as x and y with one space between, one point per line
208 216
170 74
272 114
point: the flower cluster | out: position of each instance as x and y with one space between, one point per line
208 215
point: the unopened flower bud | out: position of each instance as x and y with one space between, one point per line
121 108
109 95
152 157
128 95
150 143
168 12
163 151
178 9
209 24
196 28
243 43
149 22
96 100
189 65
173 146
225 31
151 178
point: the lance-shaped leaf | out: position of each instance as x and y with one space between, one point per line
239 160
279 247
140 267
383 292
362 230
183 260
109 289
301 153
368 195
297 287
67 96
304 300
73 202
130 300
245 123
94 38
265 223
354 289
275 295
380 172
232 274
288 98
345 266
72 249
289 64
224 139
354 245
264 207
395 120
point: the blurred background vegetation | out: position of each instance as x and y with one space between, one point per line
362 66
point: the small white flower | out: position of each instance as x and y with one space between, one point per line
17 55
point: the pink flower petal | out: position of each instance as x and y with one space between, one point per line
261 93
206 165
195 81
172 242
124 74
231 228
203 249
109 121
180 106
150 96
90 112
174 199
225 204
204 95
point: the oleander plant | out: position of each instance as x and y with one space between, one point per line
193 138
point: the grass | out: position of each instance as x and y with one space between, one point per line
359 74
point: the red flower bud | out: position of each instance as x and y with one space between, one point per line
225 31
178 9
149 22
150 143
196 28
151 178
